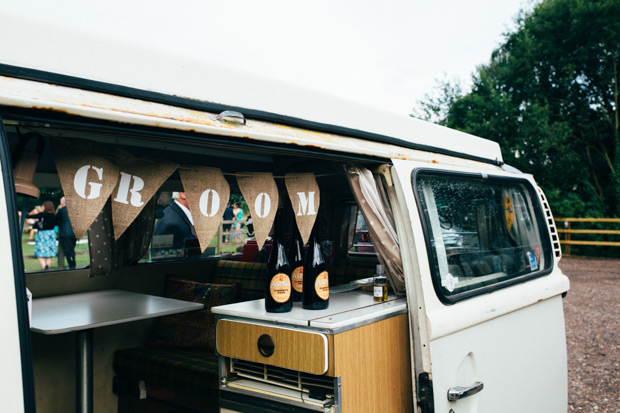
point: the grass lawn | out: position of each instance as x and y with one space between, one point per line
31 264
82 258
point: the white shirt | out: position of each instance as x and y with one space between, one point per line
188 213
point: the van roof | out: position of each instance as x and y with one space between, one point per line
39 48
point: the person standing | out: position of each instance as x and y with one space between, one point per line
45 241
177 220
237 215
66 236
228 216
32 231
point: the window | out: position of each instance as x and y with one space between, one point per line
57 251
144 241
362 244
234 231
481 233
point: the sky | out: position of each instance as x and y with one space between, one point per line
386 54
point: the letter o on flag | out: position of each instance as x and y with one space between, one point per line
262 200
214 204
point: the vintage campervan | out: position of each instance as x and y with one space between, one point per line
474 319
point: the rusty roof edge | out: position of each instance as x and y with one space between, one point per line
194 104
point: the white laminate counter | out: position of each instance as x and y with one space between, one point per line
346 311
75 312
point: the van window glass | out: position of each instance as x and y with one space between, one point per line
48 243
362 244
482 233
169 242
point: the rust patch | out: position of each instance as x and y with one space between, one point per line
52 109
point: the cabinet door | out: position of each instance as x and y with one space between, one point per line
487 293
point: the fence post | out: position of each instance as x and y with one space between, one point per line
567 237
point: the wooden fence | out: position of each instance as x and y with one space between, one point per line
563 226
228 235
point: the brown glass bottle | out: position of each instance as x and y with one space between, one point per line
316 278
278 281
296 260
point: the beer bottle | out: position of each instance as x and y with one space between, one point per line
316 279
278 281
296 260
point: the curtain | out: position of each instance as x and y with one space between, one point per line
106 255
372 200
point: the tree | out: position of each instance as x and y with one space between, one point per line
549 96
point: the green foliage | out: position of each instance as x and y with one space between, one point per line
549 96
436 104
234 198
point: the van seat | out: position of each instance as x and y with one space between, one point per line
186 377
192 371
249 276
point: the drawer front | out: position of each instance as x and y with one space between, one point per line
291 349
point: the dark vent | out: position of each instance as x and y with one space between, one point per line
291 379
555 238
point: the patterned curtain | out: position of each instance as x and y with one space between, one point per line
372 200
106 255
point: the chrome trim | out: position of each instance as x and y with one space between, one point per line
459 392
274 397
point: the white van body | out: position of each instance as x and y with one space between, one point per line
510 339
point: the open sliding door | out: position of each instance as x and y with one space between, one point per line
489 326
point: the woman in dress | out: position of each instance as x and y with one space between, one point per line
237 215
45 242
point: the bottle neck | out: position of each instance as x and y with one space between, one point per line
277 227
315 250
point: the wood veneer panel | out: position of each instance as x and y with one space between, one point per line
374 364
294 349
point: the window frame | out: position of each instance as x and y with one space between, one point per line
158 138
539 220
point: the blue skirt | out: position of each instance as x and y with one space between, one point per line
45 244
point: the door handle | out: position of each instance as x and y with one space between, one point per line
459 392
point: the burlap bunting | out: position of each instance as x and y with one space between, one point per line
261 193
87 178
305 196
138 181
207 193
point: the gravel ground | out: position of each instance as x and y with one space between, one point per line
592 313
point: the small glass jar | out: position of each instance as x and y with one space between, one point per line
380 290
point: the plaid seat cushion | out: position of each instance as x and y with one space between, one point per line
194 329
189 371
250 276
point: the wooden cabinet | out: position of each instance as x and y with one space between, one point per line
292 348
352 357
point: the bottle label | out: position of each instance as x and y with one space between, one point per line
321 285
378 291
298 279
280 288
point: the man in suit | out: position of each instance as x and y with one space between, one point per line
66 237
177 220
